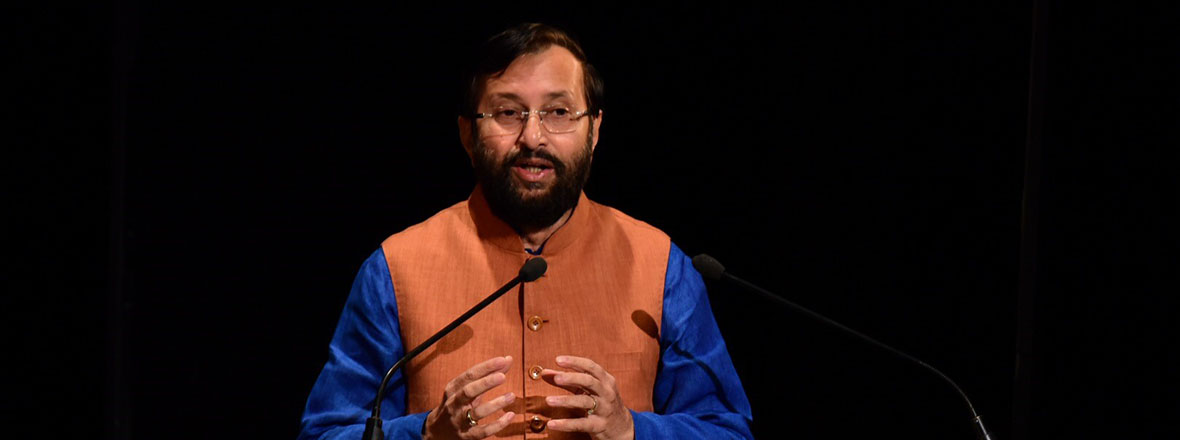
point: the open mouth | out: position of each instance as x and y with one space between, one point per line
533 169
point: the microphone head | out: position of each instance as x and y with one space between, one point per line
708 266
533 269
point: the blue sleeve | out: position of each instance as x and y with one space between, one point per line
697 392
367 342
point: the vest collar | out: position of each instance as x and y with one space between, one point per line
493 230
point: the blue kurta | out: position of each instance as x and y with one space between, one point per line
697 392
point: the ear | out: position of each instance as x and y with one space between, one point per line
465 137
594 130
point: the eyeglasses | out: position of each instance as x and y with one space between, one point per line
555 120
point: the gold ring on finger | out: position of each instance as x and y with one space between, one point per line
590 411
471 420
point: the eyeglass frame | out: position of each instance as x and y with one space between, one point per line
525 115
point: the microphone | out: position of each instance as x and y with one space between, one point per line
529 272
713 270
532 270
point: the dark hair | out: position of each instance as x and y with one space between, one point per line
527 38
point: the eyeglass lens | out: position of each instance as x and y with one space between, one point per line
558 120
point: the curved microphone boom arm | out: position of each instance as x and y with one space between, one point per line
712 269
532 269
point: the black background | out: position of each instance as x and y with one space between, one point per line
192 188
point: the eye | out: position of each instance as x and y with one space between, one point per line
560 112
507 113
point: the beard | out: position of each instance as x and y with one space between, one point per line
506 195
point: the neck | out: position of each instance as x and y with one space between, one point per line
533 239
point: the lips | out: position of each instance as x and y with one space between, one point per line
533 169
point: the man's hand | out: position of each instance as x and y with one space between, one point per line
596 393
460 405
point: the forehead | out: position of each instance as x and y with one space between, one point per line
553 73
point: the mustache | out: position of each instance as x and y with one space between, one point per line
558 165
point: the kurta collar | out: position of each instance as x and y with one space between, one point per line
493 230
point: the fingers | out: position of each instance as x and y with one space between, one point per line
591 368
588 424
486 409
496 364
582 364
490 429
577 402
478 379
606 415
550 377
471 391
576 383
580 380
460 398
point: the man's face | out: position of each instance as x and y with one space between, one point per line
529 175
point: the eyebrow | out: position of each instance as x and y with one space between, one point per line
511 96
515 97
561 94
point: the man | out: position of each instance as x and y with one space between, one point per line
616 341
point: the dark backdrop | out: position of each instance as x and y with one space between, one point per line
204 182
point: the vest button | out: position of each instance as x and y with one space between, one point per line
536 424
535 323
535 372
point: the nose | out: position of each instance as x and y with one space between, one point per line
532 135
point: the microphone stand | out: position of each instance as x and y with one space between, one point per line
532 269
713 269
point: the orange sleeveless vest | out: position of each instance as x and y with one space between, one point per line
601 298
